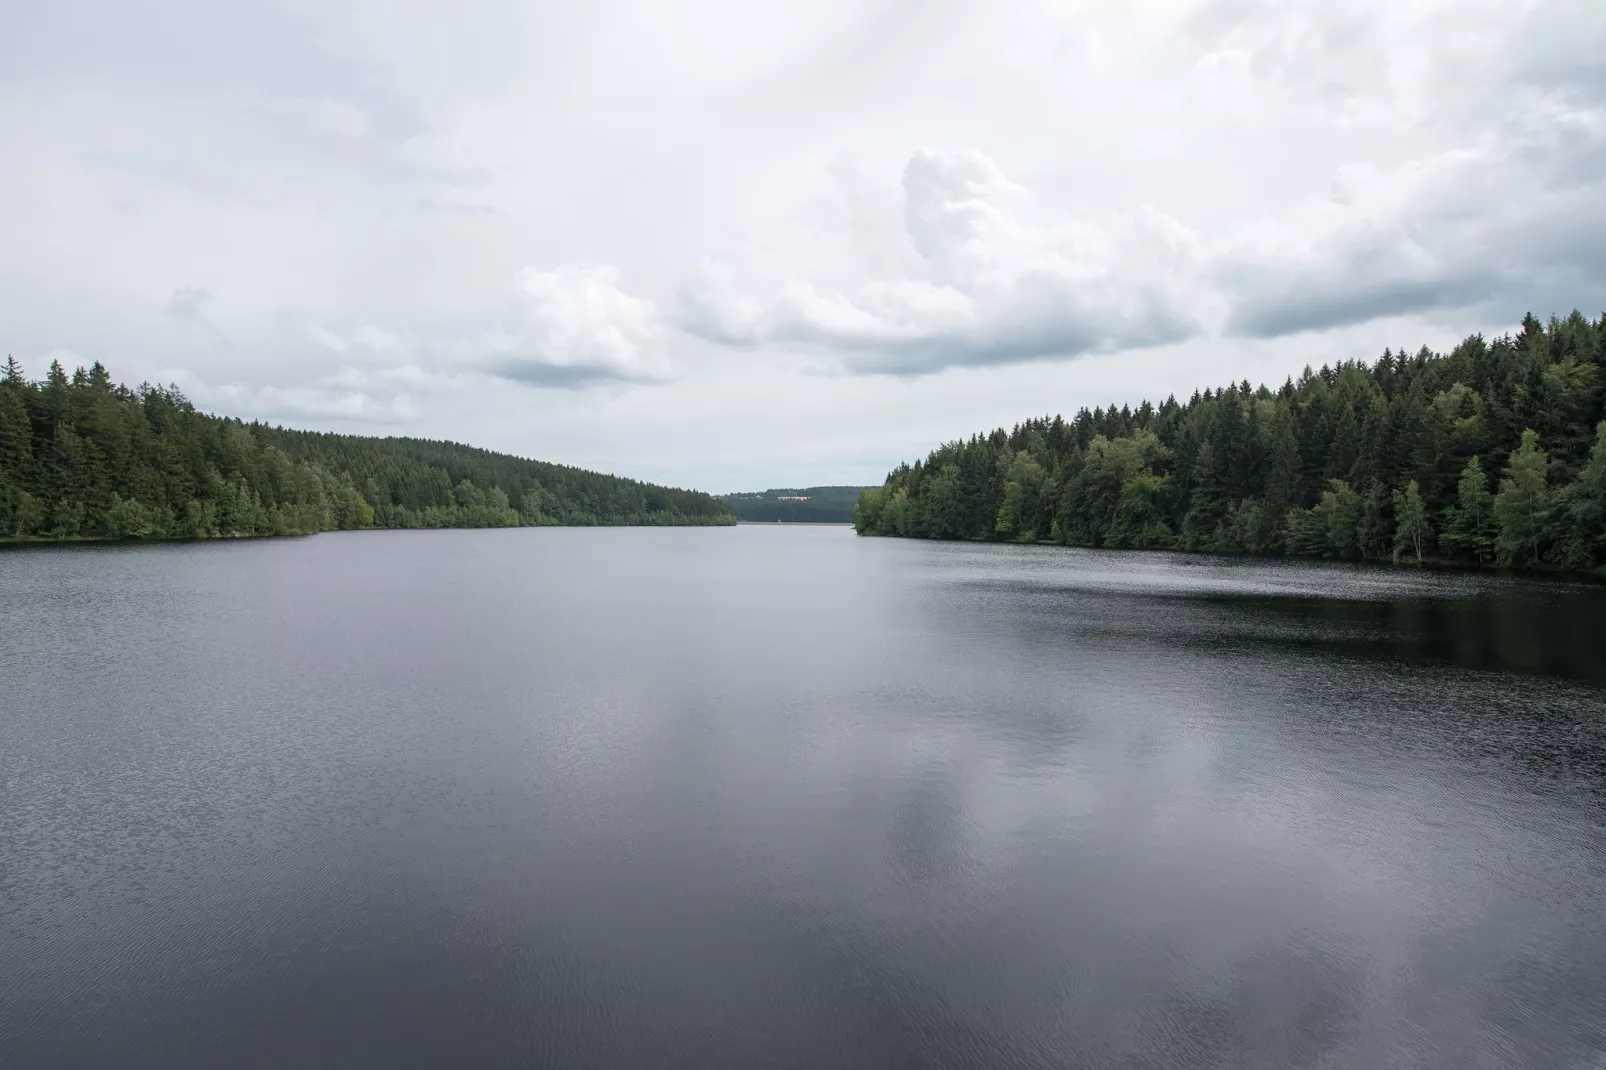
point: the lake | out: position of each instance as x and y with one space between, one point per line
774 797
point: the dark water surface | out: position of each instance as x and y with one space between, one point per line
766 797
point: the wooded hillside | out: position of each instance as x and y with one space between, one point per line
81 457
1493 453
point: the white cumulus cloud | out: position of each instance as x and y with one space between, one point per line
997 280
578 327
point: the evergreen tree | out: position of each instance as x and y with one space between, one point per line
80 457
1282 477
940 518
1588 502
1470 523
1351 461
1582 507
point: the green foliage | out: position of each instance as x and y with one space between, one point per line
869 510
1469 523
82 458
1522 508
1335 521
943 501
1411 531
1580 538
795 505
1020 514
1358 461
125 518
1115 498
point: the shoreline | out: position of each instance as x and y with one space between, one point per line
1427 564
10 541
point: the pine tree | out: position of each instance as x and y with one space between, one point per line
1282 477
15 434
1354 460
1470 523
1590 499
1582 505
80 457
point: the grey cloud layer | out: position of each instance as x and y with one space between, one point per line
993 283
1510 215
342 214
1514 222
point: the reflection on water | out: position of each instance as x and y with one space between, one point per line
785 797
1496 623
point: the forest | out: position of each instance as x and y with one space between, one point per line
81 457
1493 454
795 505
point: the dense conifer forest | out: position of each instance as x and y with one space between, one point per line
795 505
83 458
1491 454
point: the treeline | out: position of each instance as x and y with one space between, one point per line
1494 453
81 457
795 505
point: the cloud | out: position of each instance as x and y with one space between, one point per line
186 302
352 377
67 358
328 339
419 378
1508 219
579 328
366 338
1501 210
561 376
334 398
327 115
996 281
1513 220
573 328
1404 171
453 208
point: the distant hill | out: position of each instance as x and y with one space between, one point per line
83 458
795 505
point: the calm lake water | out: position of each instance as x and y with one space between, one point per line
769 797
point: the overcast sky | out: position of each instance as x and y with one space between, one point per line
743 244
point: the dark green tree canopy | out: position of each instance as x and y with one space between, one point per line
795 505
80 457
1493 453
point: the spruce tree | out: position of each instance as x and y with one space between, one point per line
1581 536
1470 523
